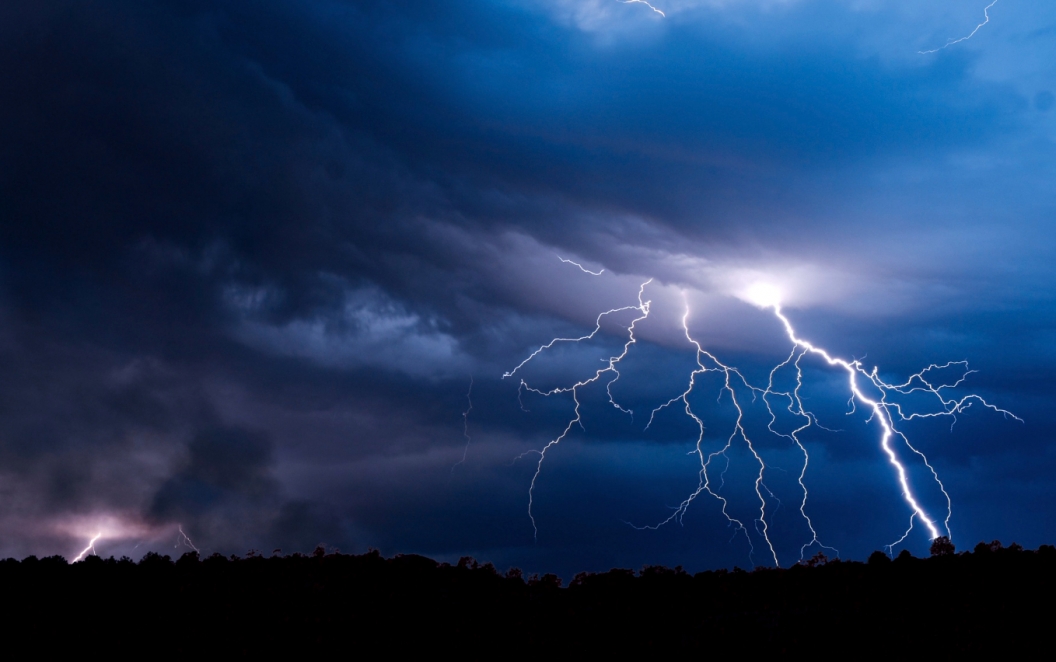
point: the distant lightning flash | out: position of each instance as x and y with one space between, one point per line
465 423
89 548
117 528
643 2
885 411
951 41
643 309
581 267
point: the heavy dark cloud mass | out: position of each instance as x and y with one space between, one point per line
251 255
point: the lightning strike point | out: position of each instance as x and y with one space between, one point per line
581 267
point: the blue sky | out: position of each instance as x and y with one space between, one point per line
252 255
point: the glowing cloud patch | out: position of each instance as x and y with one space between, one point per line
764 295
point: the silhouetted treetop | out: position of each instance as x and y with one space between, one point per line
942 546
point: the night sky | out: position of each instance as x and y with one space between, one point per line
253 255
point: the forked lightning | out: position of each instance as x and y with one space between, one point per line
610 368
878 399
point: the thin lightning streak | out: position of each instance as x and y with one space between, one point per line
89 548
581 267
643 309
643 2
589 336
520 399
186 540
465 423
891 547
951 41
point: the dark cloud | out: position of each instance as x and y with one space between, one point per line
224 465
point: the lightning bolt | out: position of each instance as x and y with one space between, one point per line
185 540
885 413
951 41
643 2
581 267
613 361
89 548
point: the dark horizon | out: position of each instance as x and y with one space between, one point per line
985 600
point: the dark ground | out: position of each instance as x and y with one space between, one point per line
994 599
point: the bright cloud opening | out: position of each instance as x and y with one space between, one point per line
764 295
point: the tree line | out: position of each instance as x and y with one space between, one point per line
991 598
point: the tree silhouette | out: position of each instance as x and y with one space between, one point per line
942 546
879 558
